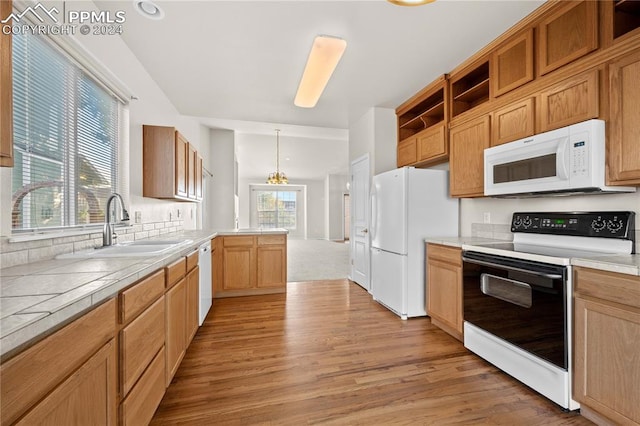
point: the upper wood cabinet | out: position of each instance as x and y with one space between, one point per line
164 149
607 346
623 145
620 20
6 93
571 101
468 142
433 144
470 86
514 121
417 119
566 34
512 63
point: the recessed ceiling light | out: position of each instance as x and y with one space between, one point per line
148 9
410 2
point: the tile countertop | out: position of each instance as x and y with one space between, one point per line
38 298
625 264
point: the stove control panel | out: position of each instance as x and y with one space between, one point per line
615 224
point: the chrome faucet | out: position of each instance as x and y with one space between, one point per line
108 235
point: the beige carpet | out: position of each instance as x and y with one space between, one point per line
310 260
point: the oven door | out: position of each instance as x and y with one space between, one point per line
520 301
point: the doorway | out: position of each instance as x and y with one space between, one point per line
346 222
359 214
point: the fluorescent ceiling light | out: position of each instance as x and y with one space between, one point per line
323 59
410 2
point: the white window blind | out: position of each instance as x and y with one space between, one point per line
65 139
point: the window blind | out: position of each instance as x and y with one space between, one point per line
65 139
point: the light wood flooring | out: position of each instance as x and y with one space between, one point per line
326 353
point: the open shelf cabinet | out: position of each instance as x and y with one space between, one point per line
425 110
470 88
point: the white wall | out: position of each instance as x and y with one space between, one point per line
222 213
335 188
375 133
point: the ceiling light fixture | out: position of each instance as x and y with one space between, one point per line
277 178
323 59
410 2
148 9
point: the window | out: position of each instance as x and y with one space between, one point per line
276 209
65 139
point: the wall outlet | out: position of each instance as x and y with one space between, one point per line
486 217
170 216
138 217
178 214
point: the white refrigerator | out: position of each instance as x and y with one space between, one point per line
407 206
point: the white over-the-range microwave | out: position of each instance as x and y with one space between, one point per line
565 161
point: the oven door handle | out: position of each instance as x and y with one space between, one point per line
512 268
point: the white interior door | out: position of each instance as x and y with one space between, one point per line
359 194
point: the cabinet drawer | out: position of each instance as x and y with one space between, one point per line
139 406
266 240
139 342
192 260
618 288
30 375
136 298
244 240
175 271
451 255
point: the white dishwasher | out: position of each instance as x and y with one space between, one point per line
205 280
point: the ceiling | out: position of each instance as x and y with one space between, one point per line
237 64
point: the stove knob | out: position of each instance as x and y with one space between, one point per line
526 222
614 225
598 224
517 223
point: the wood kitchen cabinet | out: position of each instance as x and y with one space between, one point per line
470 86
467 144
250 265
623 144
164 149
571 101
422 123
444 288
566 34
512 63
6 93
607 346
620 20
70 377
182 305
514 121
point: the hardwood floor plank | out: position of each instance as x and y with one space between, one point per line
326 353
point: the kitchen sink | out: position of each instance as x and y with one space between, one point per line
140 248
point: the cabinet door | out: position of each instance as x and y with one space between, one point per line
193 301
514 121
568 33
623 145
569 102
141 403
512 63
467 144
198 177
433 144
182 152
191 171
87 397
239 265
607 355
407 152
272 266
444 296
6 93
175 324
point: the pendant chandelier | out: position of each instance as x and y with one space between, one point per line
277 178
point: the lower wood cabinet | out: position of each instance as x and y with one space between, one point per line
607 346
250 265
444 288
70 377
466 161
140 405
193 302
